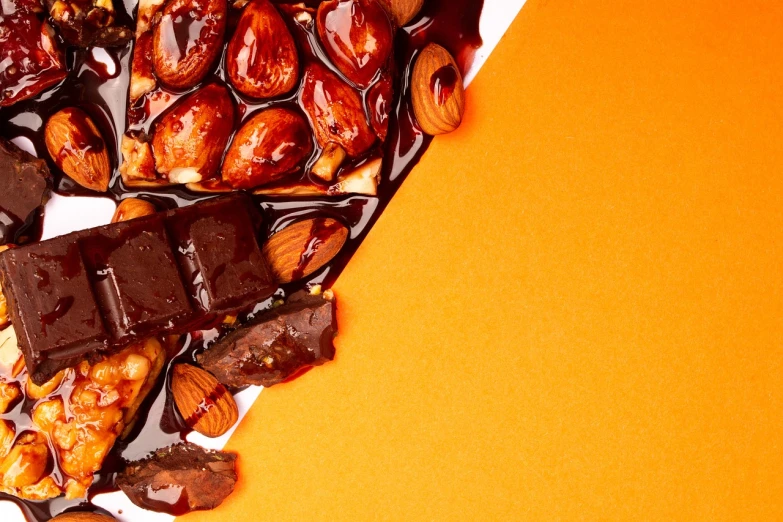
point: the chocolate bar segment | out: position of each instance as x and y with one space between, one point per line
136 279
92 292
24 188
52 306
220 255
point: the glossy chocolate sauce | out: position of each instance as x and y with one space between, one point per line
98 84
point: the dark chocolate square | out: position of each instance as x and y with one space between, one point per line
53 308
136 279
218 248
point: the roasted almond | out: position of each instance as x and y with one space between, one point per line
187 40
132 208
261 58
273 143
203 402
190 140
437 91
358 37
78 149
138 163
302 248
82 517
336 111
402 11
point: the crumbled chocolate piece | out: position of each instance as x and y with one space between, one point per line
275 345
25 183
180 479
88 23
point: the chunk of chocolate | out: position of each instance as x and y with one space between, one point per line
88 23
136 279
219 252
276 345
54 313
77 296
25 183
180 479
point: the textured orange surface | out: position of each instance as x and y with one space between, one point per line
573 308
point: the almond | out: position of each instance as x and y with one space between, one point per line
138 163
437 91
78 149
261 58
132 208
336 111
402 11
302 248
332 157
358 37
203 402
187 40
272 144
83 517
190 140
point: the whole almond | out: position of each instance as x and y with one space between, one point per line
83 517
261 57
190 140
132 208
336 111
358 37
302 248
78 149
402 11
187 40
203 402
437 91
272 144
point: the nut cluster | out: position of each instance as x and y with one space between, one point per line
79 414
322 80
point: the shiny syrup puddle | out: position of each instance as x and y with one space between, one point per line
98 81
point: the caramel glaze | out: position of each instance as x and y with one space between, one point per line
98 83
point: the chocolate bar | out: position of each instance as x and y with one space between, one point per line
25 183
92 292
275 345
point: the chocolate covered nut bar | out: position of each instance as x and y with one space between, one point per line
276 345
86 294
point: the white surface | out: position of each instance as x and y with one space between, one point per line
68 214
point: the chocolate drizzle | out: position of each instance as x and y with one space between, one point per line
98 83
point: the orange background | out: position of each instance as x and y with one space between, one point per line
573 308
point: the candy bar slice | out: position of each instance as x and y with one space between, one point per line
276 345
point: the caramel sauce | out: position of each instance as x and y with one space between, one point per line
98 83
